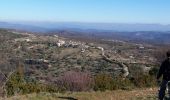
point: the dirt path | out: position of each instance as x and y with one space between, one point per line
137 94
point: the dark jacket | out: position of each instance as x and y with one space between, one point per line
164 70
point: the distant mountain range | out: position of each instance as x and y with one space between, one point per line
151 33
46 26
24 27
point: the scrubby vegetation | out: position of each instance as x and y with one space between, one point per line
19 84
106 82
7 35
76 81
76 66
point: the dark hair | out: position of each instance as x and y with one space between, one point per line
168 53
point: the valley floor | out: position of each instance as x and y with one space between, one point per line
137 94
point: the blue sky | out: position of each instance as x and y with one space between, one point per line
107 11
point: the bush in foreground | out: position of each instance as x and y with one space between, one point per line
75 81
18 85
78 81
106 82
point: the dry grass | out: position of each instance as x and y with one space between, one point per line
139 94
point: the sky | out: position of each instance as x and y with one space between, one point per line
100 11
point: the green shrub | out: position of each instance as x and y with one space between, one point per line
106 82
144 81
18 85
125 84
12 85
103 82
154 71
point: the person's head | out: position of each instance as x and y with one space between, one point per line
168 54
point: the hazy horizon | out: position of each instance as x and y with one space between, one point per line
80 22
